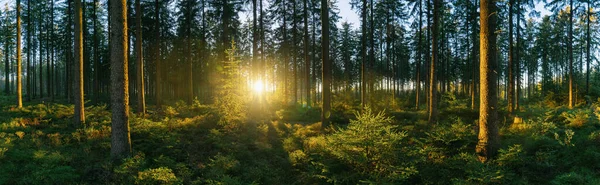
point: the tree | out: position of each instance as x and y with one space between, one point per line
511 78
6 61
96 53
157 56
140 62
19 90
326 87
306 58
434 58
120 138
78 73
570 47
28 83
489 141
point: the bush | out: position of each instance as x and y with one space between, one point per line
577 118
372 148
160 175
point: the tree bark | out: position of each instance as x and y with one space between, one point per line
19 90
363 53
489 140
140 60
120 138
306 58
570 47
326 65
157 57
511 80
434 59
78 75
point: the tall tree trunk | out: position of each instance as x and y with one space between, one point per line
434 58
419 57
255 65
371 74
79 101
588 43
518 58
28 83
489 140
120 138
19 90
140 60
511 79
294 52
284 52
41 61
306 58
6 61
326 65
314 55
570 47
189 54
51 48
69 61
96 55
157 56
474 53
363 54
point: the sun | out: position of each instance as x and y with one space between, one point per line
258 87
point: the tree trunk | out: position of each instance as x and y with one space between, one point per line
28 83
518 58
363 53
120 138
157 57
78 76
511 80
96 56
570 47
489 140
306 58
434 57
140 60
69 67
19 90
326 65
294 52
418 67
588 42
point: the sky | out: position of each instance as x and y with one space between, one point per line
352 17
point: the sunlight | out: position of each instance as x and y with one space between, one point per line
258 86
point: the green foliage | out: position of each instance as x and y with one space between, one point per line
160 175
372 148
577 118
230 99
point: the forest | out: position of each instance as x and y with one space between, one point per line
298 92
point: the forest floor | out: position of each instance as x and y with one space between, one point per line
181 144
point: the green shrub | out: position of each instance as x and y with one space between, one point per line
577 118
373 150
160 175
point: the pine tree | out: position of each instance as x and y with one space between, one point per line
140 62
19 90
489 141
326 87
120 137
78 75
